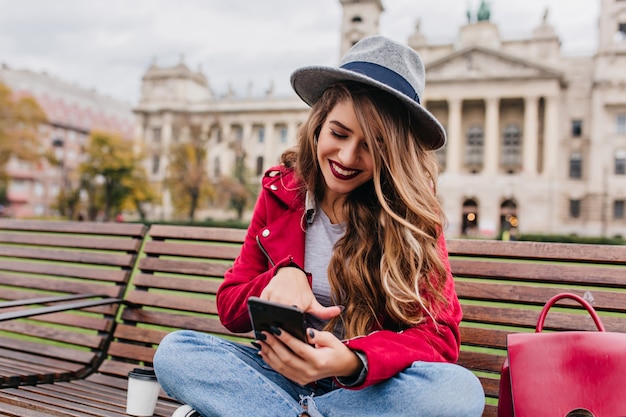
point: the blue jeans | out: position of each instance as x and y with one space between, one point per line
219 378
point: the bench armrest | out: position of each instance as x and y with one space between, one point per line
60 307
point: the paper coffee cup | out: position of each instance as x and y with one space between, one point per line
143 392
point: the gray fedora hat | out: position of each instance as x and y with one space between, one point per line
379 62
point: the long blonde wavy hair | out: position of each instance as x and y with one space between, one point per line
387 269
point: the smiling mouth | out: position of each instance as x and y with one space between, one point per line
342 172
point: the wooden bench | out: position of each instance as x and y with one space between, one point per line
76 273
173 288
502 287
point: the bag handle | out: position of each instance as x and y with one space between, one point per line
551 301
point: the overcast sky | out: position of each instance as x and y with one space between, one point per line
107 45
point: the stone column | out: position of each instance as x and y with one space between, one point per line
269 148
455 136
166 140
551 137
530 138
491 157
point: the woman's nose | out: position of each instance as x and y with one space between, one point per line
349 153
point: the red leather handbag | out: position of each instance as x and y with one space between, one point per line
564 374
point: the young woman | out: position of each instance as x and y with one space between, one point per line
349 229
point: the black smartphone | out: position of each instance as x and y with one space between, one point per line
264 314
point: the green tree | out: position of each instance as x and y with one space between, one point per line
20 119
111 175
187 178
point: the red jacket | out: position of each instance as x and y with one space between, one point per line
276 237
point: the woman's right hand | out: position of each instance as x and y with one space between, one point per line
290 286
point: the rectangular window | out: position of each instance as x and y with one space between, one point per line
577 128
576 166
238 133
511 152
156 135
620 162
259 165
621 27
19 186
283 135
216 134
217 169
156 162
474 147
574 209
620 127
618 209
261 134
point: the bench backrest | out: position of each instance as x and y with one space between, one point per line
503 286
174 288
43 259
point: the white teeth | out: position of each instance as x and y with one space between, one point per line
345 172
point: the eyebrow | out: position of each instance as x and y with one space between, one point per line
341 125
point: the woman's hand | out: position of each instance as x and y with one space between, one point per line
303 363
290 286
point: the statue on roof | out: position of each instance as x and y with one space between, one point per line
484 11
546 13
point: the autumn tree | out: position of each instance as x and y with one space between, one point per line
20 119
236 191
187 178
112 175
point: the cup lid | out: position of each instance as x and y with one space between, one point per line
142 373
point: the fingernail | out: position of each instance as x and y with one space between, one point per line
275 330
256 345
341 308
260 336
311 333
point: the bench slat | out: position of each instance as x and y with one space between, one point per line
213 234
183 267
71 227
74 242
205 286
96 258
568 252
544 273
191 250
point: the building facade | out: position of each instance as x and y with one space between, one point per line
72 113
536 139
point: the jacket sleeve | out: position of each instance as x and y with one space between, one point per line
248 276
390 352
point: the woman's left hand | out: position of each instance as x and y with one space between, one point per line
304 363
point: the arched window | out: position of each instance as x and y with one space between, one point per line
469 223
508 220
357 19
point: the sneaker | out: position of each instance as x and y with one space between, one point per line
185 411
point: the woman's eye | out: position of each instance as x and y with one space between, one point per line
337 134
